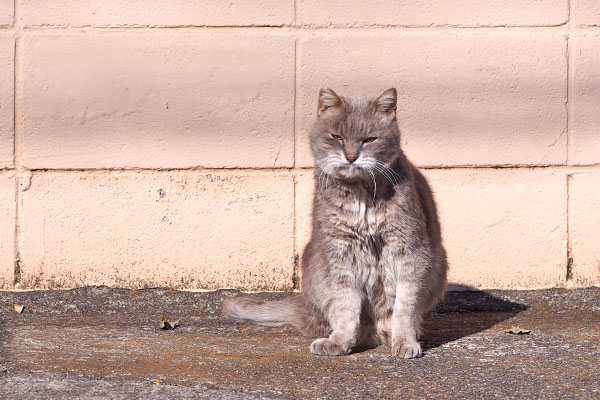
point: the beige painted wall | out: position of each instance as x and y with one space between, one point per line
164 142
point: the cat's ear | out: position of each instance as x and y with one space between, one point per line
386 103
328 99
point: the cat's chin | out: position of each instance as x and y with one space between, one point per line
350 172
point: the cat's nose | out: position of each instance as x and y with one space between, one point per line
351 159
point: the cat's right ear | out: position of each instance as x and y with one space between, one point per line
386 103
328 99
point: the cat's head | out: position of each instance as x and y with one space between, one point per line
352 138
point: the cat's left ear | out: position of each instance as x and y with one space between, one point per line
386 103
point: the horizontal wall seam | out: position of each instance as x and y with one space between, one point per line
310 29
557 168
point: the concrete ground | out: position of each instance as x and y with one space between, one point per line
98 342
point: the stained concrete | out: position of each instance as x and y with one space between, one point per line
98 342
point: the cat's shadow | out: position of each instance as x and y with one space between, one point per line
463 313
466 312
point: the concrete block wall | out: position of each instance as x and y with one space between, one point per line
147 143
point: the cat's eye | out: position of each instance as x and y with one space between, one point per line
370 139
336 137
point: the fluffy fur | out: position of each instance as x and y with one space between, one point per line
375 262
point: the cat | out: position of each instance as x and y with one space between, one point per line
375 264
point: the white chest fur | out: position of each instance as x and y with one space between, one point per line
366 214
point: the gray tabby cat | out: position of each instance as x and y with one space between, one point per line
375 262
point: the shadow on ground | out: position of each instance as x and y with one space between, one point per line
464 313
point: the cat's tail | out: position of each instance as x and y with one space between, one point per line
268 313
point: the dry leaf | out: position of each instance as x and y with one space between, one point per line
166 324
19 308
515 330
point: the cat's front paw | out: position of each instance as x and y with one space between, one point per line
327 347
406 348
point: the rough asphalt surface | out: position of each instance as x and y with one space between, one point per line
98 342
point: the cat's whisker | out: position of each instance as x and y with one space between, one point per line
321 176
333 168
374 183
326 167
383 172
326 179
388 168
384 168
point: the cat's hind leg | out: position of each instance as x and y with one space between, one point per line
368 335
